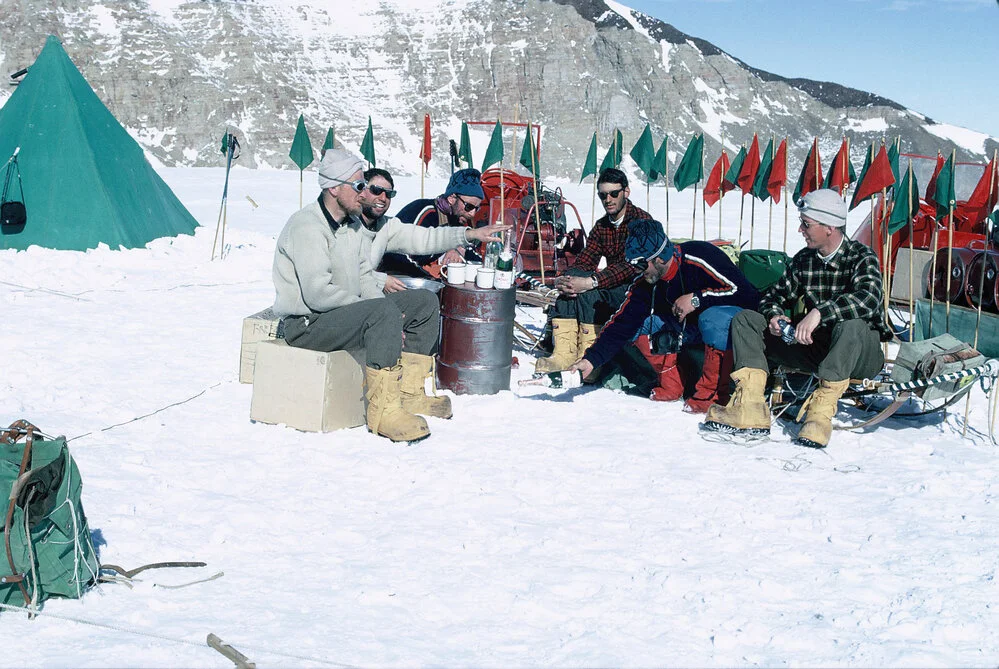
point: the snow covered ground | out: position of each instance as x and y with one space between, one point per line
588 528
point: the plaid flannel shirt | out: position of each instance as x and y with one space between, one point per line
607 241
846 287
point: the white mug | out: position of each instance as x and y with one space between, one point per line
504 280
454 273
485 278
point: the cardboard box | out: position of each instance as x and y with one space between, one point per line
261 326
307 390
920 269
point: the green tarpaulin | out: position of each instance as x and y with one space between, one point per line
962 325
86 181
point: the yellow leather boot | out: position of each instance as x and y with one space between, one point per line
747 411
385 415
565 334
819 410
416 369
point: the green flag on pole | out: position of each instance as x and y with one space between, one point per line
760 190
660 164
328 144
644 152
494 152
893 160
368 145
945 195
732 176
465 148
691 167
906 203
301 148
590 166
614 152
528 156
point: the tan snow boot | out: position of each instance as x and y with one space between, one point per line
819 410
587 335
385 413
565 334
416 369
747 411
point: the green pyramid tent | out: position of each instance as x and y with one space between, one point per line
85 179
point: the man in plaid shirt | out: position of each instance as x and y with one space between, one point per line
839 282
589 296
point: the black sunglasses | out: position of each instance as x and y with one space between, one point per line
603 195
469 207
641 263
358 185
380 190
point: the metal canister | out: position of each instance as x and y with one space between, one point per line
950 287
986 284
476 347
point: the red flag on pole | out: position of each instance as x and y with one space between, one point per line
716 185
840 171
931 187
778 173
750 166
811 171
983 198
877 176
425 149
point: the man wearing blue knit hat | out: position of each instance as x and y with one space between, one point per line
456 207
693 290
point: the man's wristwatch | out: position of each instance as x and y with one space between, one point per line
695 301
595 281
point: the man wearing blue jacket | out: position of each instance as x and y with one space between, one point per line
687 295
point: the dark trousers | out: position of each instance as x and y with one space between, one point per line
848 350
375 325
593 306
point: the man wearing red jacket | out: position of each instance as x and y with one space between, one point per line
589 296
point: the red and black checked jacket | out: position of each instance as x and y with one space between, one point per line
607 241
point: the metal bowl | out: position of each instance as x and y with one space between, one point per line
416 283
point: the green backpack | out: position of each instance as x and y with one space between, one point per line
48 550
763 267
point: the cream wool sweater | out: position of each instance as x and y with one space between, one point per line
393 236
316 269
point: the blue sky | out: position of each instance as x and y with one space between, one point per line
937 57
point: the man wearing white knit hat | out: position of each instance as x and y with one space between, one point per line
839 282
328 300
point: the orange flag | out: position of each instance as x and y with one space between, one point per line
877 177
716 185
778 172
750 166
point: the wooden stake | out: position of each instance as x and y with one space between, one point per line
981 280
742 210
912 232
950 239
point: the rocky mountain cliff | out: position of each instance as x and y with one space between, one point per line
177 73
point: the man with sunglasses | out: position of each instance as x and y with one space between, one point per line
588 295
692 291
839 282
457 207
388 240
328 300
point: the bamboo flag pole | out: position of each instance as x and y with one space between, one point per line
784 187
846 166
742 210
770 218
981 282
704 205
886 284
752 219
721 195
667 191
593 199
693 215
513 143
950 235
912 287
423 165
537 214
